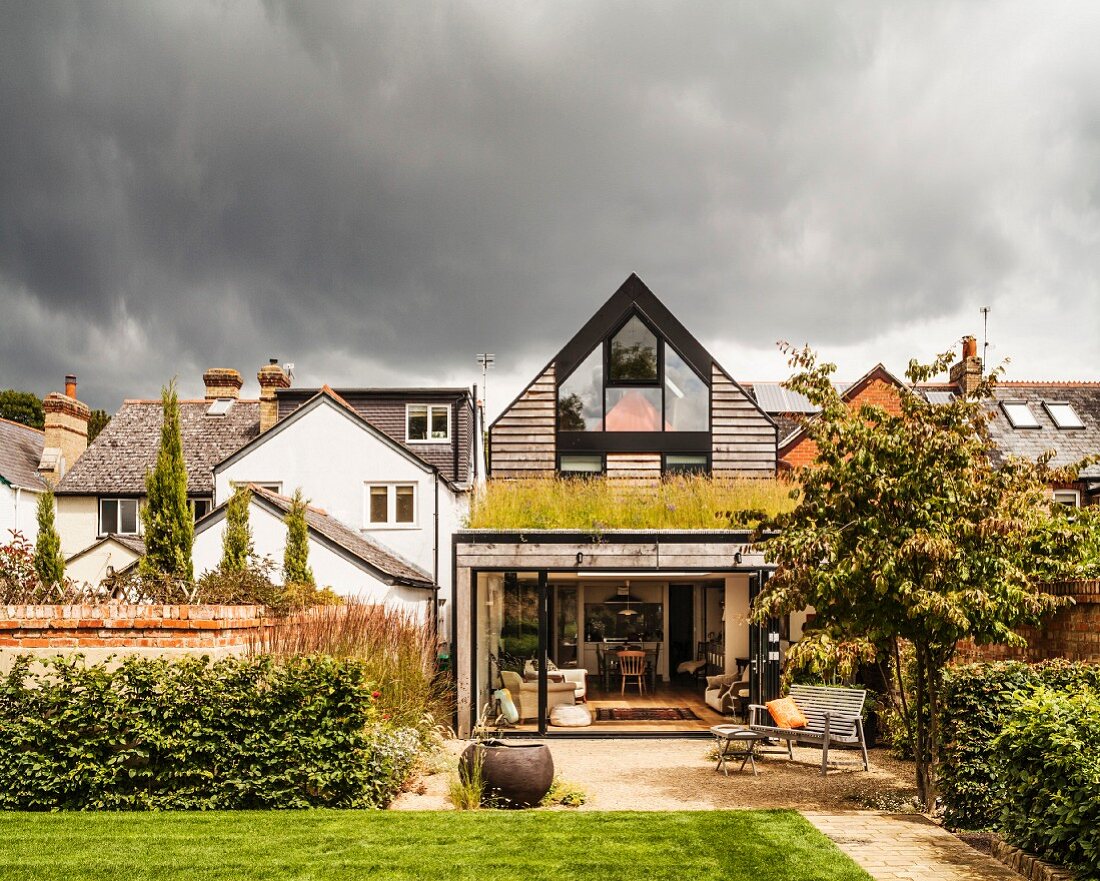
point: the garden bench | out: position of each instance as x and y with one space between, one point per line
834 716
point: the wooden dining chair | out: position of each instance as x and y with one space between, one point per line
632 666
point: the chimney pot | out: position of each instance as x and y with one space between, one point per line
274 361
970 347
271 377
66 431
967 373
70 385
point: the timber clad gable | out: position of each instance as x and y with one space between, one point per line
743 439
522 440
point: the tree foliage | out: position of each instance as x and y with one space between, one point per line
909 528
237 545
296 556
49 564
166 516
22 407
97 421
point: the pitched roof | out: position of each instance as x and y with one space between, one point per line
370 554
133 543
118 459
1070 445
20 453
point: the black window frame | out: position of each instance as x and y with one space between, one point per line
704 469
581 475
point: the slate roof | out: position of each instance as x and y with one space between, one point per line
20 453
1071 445
375 555
118 459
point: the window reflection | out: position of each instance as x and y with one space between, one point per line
633 409
580 397
633 353
687 398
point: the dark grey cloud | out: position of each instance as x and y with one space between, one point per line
378 191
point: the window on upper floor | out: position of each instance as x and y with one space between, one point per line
1019 414
390 504
118 516
1071 498
634 381
1062 414
428 423
272 486
199 507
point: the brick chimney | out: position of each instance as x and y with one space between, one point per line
967 373
271 377
222 382
66 435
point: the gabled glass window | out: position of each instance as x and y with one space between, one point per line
1019 414
1063 415
580 397
633 355
634 382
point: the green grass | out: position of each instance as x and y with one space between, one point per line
677 502
486 846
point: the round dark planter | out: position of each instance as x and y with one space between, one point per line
516 775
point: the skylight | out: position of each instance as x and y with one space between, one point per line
219 407
1063 414
1019 414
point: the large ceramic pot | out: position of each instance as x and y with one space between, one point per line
517 775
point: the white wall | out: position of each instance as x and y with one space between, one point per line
18 511
737 620
91 568
333 458
77 521
330 569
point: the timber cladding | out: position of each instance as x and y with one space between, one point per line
522 441
743 438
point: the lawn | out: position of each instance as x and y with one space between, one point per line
487 846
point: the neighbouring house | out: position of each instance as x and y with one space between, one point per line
394 465
20 482
633 396
99 498
339 555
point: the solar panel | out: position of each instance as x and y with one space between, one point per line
938 397
773 398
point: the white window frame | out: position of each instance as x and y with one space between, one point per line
1062 497
429 439
1047 405
119 499
391 505
1005 405
193 501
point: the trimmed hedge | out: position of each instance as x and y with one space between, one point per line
977 700
192 734
1048 767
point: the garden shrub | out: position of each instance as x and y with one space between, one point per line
154 734
976 702
1048 767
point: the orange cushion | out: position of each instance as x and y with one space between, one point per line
786 713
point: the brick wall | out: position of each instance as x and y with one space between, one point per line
1072 633
100 631
877 392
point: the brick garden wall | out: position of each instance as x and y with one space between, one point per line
1072 633
99 631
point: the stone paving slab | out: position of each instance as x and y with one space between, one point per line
907 847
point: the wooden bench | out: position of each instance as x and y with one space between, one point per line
834 715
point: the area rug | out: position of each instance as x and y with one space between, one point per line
644 714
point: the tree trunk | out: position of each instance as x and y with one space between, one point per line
921 751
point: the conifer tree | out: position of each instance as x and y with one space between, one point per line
296 557
237 544
169 525
49 565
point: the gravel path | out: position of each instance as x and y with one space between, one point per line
663 775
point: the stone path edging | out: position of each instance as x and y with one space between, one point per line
906 847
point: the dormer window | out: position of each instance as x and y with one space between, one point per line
428 423
1062 414
635 382
1019 414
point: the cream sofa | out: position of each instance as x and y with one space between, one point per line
525 695
722 692
578 677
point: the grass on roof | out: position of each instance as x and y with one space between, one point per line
478 846
677 502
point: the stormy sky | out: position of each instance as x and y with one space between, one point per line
377 192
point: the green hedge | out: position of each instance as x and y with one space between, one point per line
154 734
1048 767
976 702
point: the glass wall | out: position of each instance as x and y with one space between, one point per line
580 397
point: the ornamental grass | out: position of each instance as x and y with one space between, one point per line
396 648
676 502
